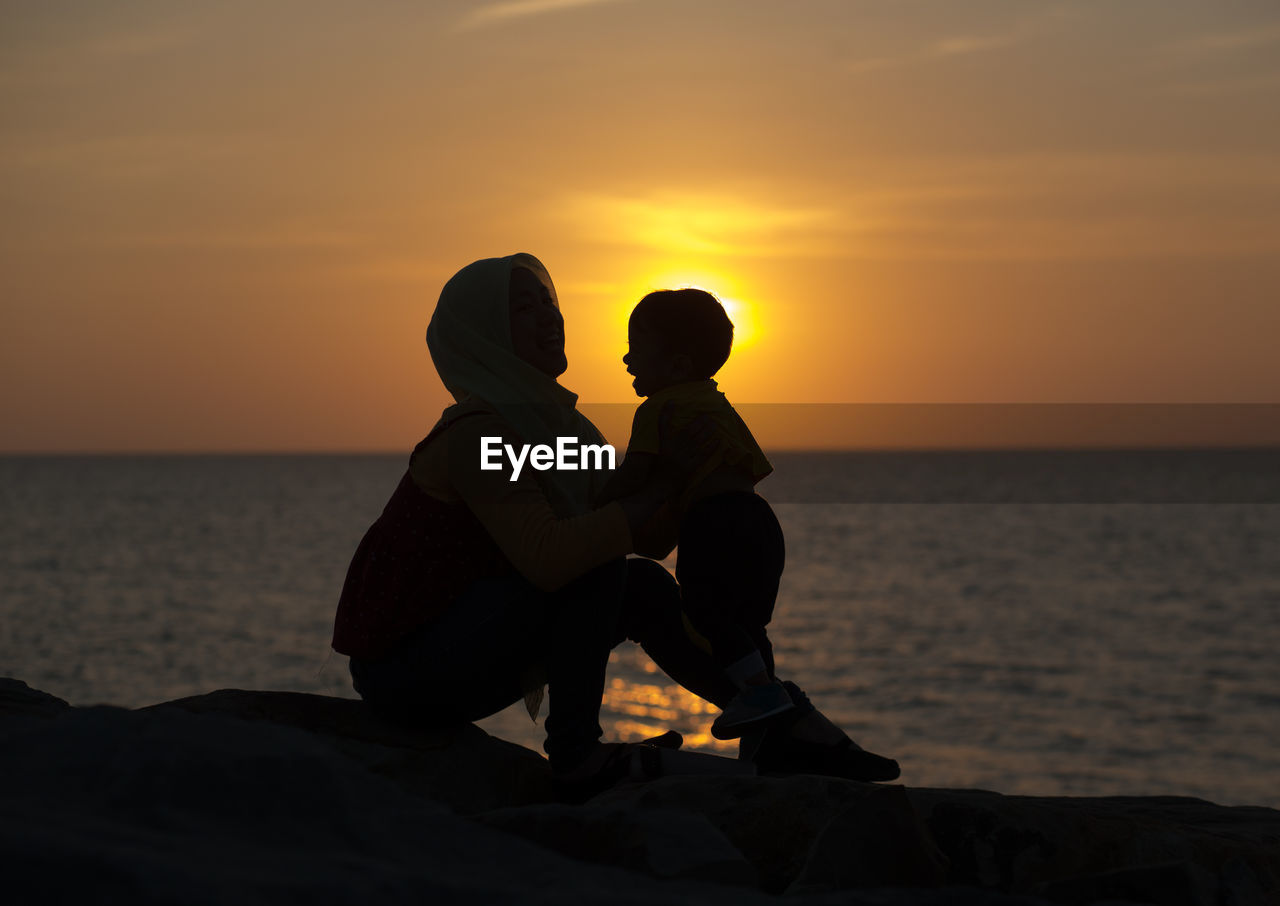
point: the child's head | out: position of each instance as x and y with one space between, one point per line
676 335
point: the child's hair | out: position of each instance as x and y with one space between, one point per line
689 321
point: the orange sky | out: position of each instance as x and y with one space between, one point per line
225 225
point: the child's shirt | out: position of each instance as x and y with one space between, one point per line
690 400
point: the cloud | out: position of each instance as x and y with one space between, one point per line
700 224
956 46
1021 207
1223 61
500 13
142 43
32 63
285 236
1227 42
1265 83
1074 207
964 45
100 158
950 47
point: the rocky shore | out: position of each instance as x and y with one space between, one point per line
274 797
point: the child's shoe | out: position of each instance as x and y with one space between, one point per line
750 708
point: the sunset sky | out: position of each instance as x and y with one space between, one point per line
225 225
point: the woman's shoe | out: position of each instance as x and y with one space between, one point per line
668 740
611 764
615 761
641 761
750 708
781 754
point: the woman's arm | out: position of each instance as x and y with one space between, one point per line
546 549
629 478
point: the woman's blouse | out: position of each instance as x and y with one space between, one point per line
450 523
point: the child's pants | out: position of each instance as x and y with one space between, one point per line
730 560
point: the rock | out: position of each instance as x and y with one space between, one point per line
272 797
463 767
879 841
773 821
162 806
17 698
659 843
1024 844
806 834
1171 884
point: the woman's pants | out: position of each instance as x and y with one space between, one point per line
503 637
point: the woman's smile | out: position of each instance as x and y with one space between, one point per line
537 327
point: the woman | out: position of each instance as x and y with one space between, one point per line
472 589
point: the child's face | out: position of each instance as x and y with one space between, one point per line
654 368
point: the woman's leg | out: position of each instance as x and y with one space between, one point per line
471 663
483 654
581 618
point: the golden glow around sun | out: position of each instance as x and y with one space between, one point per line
741 312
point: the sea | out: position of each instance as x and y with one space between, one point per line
1049 623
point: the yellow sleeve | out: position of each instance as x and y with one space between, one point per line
547 550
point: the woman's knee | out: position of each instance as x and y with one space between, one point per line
649 580
651 599
593 599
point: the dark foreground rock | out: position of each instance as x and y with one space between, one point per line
267 797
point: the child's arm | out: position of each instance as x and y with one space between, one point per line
628 479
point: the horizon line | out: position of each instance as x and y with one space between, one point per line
865 448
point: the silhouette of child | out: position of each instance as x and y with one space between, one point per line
731 549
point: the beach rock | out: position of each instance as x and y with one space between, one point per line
659 843
281 797
462 767
1076 847
165 806
878 841
17 698
1170 884
773 821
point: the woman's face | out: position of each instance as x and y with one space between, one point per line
537 330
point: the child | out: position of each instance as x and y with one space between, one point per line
730 544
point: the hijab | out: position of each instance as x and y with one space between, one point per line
470 342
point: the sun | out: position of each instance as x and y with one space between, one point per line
740 311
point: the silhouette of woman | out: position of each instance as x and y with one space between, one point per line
473 589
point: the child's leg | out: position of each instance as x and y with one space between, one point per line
769 556
761 640
729 564
652 618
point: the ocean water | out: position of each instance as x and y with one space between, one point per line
1042 624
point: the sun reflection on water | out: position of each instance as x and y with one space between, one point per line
632 711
